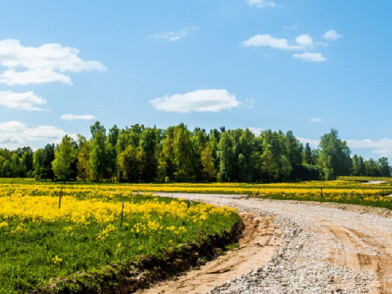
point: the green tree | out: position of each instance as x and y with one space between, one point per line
83 157
65 158
307 155
148 154
226 157
358 166
371 168
166 166
383 167
129 165
27 162
38 163
270 167
99 164
114 132
334 157
48 157
209 173
97 127
245 155
42 162
184 159
16 165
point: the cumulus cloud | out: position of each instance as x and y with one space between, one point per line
331 35
44 64
14 134
78 117
212 100
265 40
310 56
381 147
304 41
12 126
24 100
261 3
315 120
175 35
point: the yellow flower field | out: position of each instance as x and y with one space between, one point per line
94 226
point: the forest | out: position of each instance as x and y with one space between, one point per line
176 154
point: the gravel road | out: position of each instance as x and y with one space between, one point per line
322 249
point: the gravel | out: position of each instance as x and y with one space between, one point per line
301 264
298 267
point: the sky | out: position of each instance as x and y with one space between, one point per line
305 66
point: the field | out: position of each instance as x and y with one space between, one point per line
353 190
42 246
97 225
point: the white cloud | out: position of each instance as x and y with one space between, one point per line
24 100
331 35
310 56
381 147
78 117
315 120
14 134
312 142
302 42
36 65
261 3
12 126
256 131
175 35
212 100
267 41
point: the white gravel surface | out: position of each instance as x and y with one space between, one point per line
323 250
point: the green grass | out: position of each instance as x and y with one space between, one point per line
28 256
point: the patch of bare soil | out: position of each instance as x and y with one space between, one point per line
256 247
361 252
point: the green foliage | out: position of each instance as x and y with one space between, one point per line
99 158
83 159
207 161
179 155
129 165
334 156
65 158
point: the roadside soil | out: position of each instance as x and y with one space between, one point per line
350 236
256 246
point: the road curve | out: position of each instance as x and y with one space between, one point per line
321 249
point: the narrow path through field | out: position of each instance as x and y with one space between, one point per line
321 250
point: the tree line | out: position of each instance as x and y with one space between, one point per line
176 154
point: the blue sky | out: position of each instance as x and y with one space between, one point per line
305 66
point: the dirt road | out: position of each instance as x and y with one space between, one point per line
291 247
